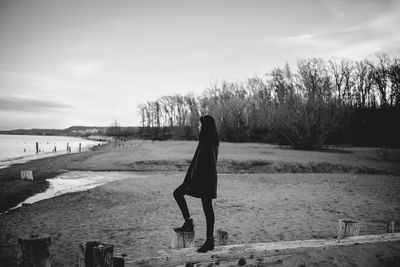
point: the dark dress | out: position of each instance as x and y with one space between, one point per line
201 177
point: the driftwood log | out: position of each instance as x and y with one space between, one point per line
259 253
33 250
181 239
348 228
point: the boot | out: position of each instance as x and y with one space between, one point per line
208 245
186 227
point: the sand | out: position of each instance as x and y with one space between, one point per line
176 156
137 214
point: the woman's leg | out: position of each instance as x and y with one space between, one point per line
209 212
180 199
210 218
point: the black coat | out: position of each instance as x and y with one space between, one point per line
201 177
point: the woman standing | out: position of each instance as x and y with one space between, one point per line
201 180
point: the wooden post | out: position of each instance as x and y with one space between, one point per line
222 237
103 255
390 227
118 261
348 228
181 239
37 147
34 251
86 253
26 175
80 147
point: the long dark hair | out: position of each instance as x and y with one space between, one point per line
208 132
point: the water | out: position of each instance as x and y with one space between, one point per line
22 148
77 181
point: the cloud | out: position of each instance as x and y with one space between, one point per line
7 74
335 8
360 50
200 55
23 104
85 68
298 39
309 41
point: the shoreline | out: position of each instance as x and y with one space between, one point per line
73 182
26 157
13 190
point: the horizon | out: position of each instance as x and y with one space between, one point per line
61 129
69 63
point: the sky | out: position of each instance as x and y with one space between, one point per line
81 62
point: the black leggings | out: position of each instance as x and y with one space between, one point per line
207 207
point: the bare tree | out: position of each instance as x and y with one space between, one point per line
394 79
380 75
302 108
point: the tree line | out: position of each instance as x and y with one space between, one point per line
338 101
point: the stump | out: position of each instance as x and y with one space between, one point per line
181 239
348 228
222 237
86 253
33 250
26 175
118 261
390 227
103 255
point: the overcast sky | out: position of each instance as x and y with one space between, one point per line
67 62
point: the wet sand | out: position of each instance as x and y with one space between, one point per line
269 204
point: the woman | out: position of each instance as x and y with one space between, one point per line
201 180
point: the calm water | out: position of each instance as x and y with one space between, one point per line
78 181
21 148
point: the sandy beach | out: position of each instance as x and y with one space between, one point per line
266 193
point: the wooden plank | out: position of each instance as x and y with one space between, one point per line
255 251
262 261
